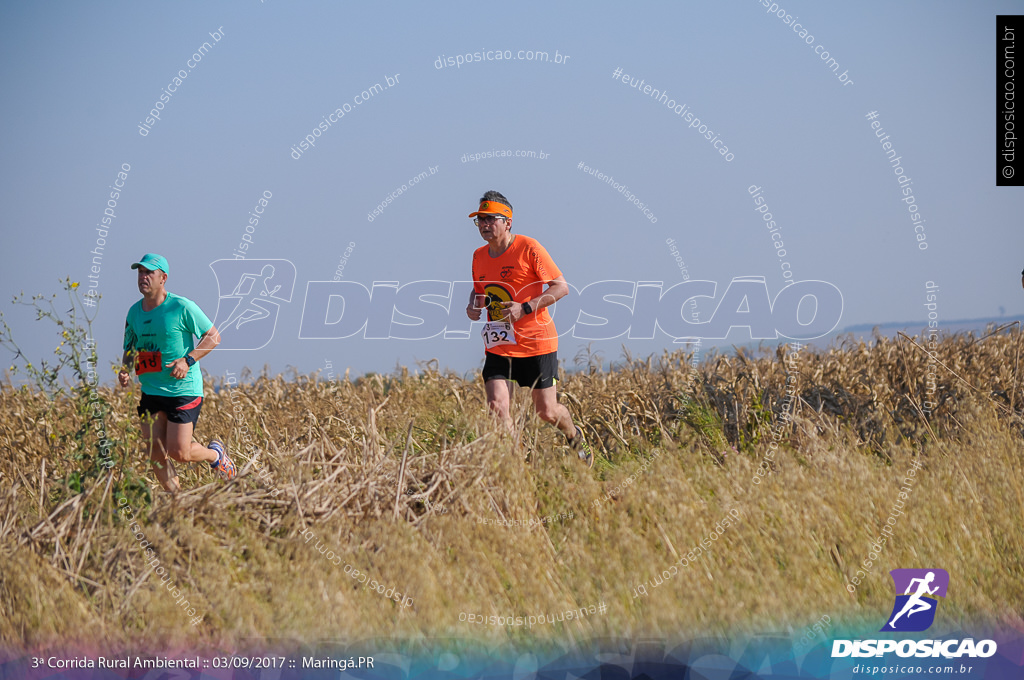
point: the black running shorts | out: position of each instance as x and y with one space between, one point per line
178 409
539 372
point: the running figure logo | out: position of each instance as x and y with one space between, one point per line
914 610
247 316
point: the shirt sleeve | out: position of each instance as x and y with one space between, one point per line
543 266
196 322
478 286
130 341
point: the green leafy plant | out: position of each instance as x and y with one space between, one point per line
708 425
72 375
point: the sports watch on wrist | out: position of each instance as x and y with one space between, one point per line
527 309
189 360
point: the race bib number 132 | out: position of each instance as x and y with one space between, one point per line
498 333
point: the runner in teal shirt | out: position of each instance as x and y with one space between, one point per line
168 330
159 342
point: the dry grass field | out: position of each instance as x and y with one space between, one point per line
401 477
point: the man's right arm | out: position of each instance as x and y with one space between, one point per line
472 311
123 375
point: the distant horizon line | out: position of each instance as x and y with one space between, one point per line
942 323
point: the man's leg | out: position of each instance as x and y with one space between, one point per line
550 411
180 446
499 399
546 402
919 607
154 433
903 611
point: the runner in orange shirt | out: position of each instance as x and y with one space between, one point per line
509 275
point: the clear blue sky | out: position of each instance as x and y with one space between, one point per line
78 80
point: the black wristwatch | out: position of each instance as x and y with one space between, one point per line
527 309
189 360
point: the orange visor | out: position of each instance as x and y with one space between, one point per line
492 208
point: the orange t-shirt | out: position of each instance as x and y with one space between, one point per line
519 274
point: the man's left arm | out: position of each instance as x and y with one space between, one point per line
556 290
194 322
209 340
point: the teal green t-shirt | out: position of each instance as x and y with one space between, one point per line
169 329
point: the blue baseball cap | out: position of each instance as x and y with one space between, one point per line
152 262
